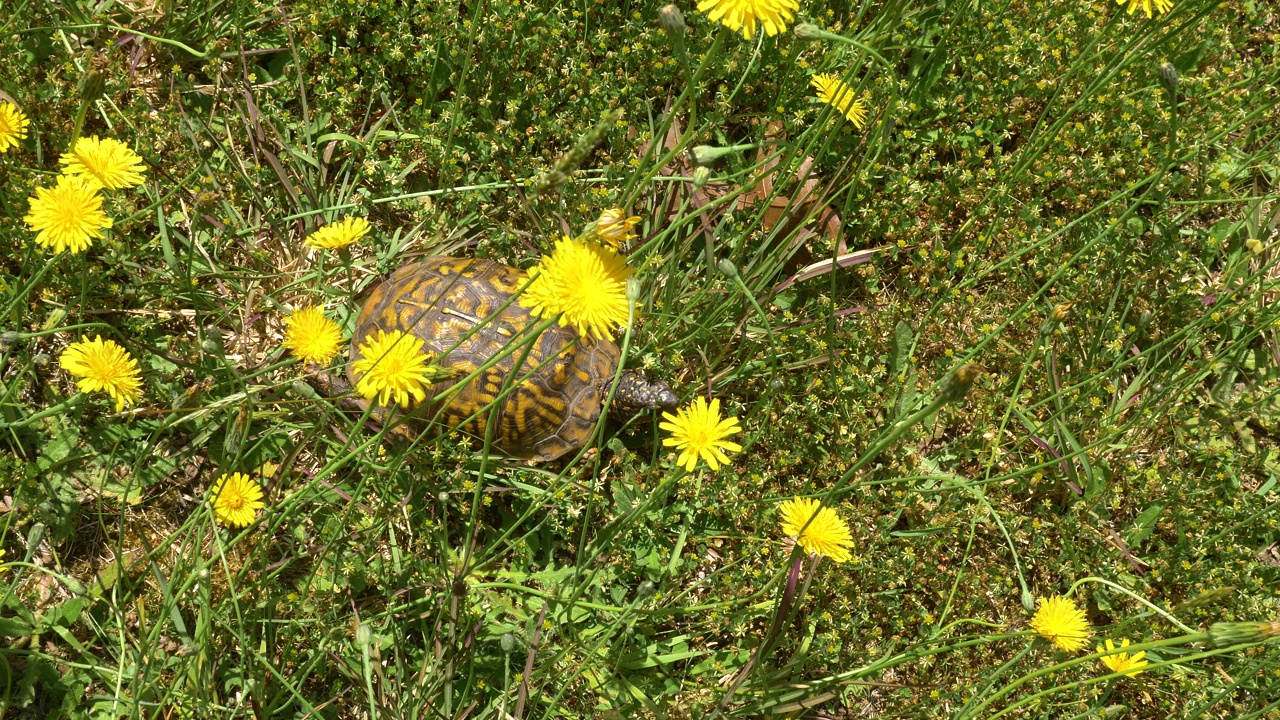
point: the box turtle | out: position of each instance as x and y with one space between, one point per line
466 314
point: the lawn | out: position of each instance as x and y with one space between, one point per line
992 283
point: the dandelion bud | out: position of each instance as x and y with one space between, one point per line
92 86
1226 634
709 154
633 289
54 320
74 586
705 154
299 386
672 21
1169 78
40 359
8 339
212 342
808 31
614 227
728 268
508 642
957 386
35 536
207 200
1056 316
1028 601
700 176
364 635
442 496
646 589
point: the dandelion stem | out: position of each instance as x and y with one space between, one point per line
58 409
994 675
819 33
65 328
955 584
617 373
764 318
1058 667
634 184
21 295
981 496
1186 639
946 393
782 613
79 124
1135 596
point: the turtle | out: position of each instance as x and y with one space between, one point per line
465 312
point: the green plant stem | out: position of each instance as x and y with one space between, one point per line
79 123
894 432
1111 677
1135 596
656 612
981 497
955 583
1188 639
834 37
994 675
636 183
21 295
764 318
65 328
58 409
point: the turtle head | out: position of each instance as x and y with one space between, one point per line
636 393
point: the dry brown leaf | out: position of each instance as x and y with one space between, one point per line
822 267
682 166
806 202
789 211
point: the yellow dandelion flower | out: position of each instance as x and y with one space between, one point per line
339 234
104 163
311 336
614 227
826 534
393 365
744 15
236 500
697 431
1061 622
13 125
67 216
1123 662
103 365
583 283
1150 7
834 92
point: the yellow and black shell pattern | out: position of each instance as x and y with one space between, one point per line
466 314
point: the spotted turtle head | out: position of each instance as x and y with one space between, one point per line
636 393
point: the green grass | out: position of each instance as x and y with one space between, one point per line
1038 204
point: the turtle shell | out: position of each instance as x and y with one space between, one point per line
465 312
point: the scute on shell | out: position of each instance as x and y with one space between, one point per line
466 313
